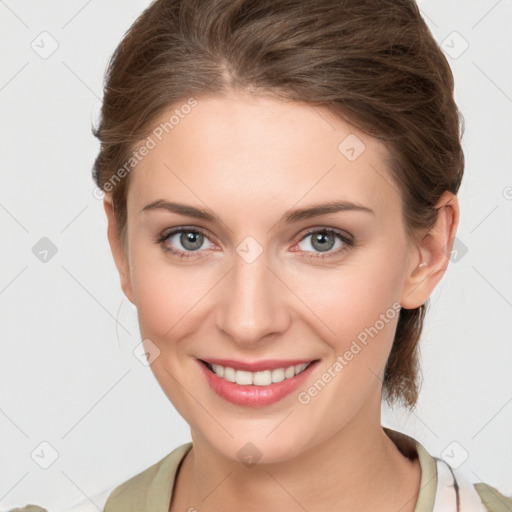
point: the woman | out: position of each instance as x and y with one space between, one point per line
280 185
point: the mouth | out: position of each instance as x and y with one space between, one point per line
263 377
272 382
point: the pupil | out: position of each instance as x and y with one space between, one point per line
191 241
322 238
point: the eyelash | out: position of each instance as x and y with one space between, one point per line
162 239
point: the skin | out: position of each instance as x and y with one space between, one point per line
250 159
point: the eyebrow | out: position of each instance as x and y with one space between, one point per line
289 217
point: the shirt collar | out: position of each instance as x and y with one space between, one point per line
428 482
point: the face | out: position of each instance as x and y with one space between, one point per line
268 276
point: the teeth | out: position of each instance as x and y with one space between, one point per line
263 378
229 374
243 378
219 370
289 372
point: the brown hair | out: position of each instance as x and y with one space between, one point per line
374 64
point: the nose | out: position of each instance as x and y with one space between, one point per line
252 303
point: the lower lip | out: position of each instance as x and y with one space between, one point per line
251 395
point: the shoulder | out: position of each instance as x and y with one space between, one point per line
151 488
153 483
493 500
437 482
28 508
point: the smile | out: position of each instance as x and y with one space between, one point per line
261 378
267 383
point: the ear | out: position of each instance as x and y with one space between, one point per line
431 255
120 257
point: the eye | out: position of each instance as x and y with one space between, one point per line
324 240
183 242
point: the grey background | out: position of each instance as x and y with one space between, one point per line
69 377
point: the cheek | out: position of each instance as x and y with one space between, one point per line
356 309
167 296
351 298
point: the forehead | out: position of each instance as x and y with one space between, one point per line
248 152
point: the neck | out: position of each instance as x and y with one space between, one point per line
358 468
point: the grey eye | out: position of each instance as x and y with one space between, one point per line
321 241
189 239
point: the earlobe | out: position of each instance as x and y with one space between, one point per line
432 254
118 253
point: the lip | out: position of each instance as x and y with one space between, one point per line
252 395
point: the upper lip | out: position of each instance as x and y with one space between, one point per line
257 366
